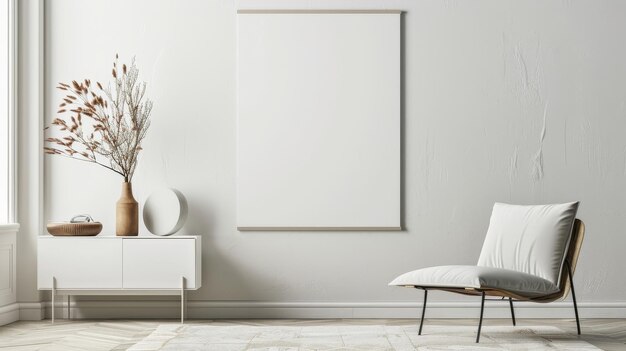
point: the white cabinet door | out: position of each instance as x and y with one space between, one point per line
159 264
80 263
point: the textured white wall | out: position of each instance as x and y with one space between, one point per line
512 101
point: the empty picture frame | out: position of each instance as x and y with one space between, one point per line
318 130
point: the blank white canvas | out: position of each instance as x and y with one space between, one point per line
318 133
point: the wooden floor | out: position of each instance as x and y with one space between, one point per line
606 334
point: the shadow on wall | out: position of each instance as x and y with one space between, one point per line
220 271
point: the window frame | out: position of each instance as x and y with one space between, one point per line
11 122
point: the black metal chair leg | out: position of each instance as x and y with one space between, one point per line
480 322
571 284
423 311
512 310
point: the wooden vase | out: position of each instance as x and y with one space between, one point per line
127 213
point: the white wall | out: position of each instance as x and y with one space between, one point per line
514 101
29 155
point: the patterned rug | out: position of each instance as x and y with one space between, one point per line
356 337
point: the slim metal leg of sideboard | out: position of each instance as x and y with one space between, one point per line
69 316
182 300
54 288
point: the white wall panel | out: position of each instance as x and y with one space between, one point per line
8 255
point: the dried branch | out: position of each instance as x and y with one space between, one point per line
117 119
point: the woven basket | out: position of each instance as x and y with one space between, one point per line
74 229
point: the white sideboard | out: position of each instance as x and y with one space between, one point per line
112 265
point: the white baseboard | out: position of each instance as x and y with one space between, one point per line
323 310
9 313
22 311
32 311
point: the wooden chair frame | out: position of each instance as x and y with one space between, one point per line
566 284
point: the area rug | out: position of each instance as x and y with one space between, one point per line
356 337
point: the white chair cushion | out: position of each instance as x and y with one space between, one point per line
523 284
529 239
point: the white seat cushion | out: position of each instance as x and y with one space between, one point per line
529 239
522 284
